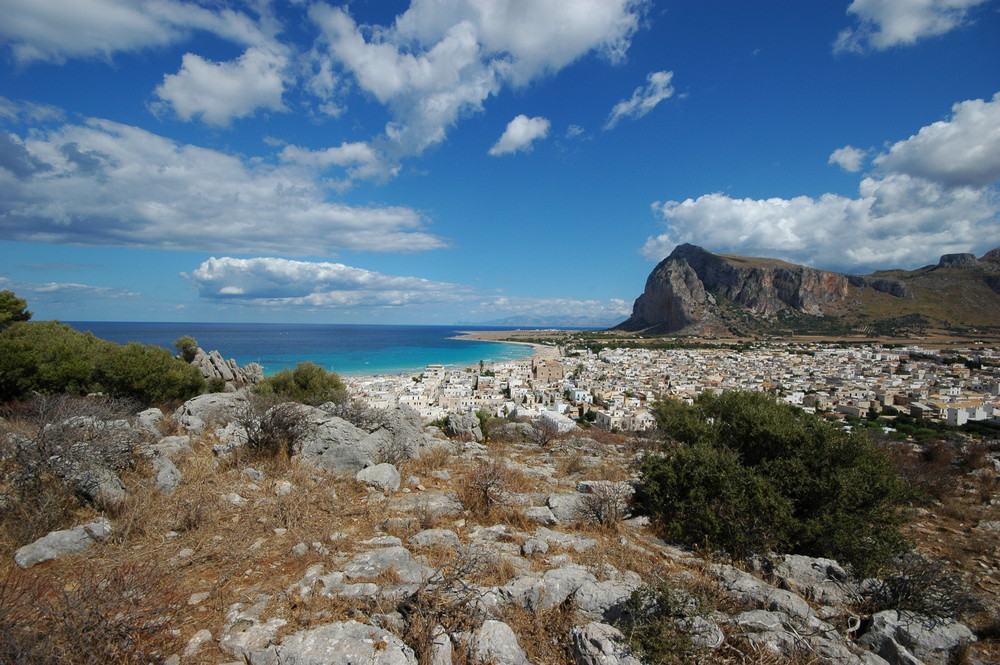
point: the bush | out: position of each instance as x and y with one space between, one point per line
655 621
187 347
606 504
12 309
51 357
748 474
308 383
488 487
121 616
923 586
147 374
272 429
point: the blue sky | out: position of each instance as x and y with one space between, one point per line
442 161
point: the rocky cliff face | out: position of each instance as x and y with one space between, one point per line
693 291
688 290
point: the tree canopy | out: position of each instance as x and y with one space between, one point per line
12 309
52 357
745 473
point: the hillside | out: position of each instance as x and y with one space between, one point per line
694 291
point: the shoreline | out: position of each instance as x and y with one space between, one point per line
539 351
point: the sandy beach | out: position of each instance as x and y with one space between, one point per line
541 351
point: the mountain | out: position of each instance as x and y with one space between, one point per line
694 291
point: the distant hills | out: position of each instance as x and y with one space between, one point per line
696 292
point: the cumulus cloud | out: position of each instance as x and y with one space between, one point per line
108 184
56 30
895 221
221 91
276 281
442 59
644 99
359 159
882 24
521 132
935 194
961 151
848 158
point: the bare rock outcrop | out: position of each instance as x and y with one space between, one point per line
213 366
687 290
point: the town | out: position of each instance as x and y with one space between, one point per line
614 388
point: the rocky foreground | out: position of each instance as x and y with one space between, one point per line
383 541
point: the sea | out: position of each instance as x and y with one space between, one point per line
350 350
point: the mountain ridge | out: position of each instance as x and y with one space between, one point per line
694 291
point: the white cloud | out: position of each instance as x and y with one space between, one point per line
442 59
600 312
219 92
644 98
107 184
935 195
359 159
278 282
964 150
848 158
897 221
883 24
573 131
57 30
284 282
520 133
50 292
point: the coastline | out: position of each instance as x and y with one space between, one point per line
540 351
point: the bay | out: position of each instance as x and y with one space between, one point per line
347 349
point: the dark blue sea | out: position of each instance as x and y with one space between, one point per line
345 349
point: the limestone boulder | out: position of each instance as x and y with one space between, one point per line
63 542
600 644
332 443
382 477
495 643
464 426
341 643
898 636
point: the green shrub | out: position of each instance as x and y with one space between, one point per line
746 473
187 346
308 383
148 374
656 621
12 309
45 357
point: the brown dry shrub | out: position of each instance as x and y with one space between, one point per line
607 504
929 472
544 635
121 615
448 602
487 490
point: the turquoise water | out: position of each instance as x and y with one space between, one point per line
346 349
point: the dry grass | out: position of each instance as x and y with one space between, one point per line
544 635
95 614
434 459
